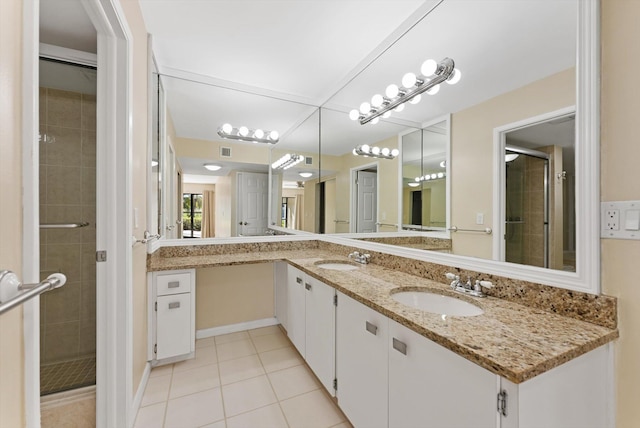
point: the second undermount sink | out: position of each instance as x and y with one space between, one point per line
336 265
437 303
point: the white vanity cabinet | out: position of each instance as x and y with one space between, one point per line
362 363
430 386
311 323
171 315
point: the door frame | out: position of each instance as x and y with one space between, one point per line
113 219
353 189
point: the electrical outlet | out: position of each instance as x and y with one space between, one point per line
612 219
479 218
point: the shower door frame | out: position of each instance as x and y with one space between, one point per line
113 201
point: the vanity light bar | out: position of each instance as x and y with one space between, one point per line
375 152
431 177
245 134
287 161
429 79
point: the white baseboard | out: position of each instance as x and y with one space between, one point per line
67 397
233 328
137 399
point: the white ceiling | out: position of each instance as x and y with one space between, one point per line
270 63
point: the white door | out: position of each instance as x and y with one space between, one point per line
253 200
320 331
367 201
361 363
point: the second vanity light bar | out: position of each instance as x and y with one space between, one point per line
245 134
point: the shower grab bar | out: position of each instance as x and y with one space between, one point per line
64 225
386 224
486 230
9 285
341 221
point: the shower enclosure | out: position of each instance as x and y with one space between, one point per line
68 225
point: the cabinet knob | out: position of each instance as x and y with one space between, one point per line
307 286
400 346
299 280
371 328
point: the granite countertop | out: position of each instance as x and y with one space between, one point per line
511 340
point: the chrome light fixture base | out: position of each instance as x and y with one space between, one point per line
245 134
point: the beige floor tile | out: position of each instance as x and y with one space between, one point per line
272 329
207 341
247 395
161 370
279 359
77 414
293 381
270 342
237 349
220 424
204 356
195 380
195 410
311 410
240 369
344 424
157 390
231 337
265 417
151 416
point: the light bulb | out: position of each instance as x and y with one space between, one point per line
392 91
354 152
434 176
429 68
258 133
399 108
365 108
375 120
365 148
409 80
455 77
354 114
386 151
375 150
433 90
416 99
274 135
443 164
227 128
386 114
377 100
418 179
426 178
441 175
243 131
395 152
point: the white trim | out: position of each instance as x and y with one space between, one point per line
68 55
31 208
113 215
499 166
234 328
137 399
612 395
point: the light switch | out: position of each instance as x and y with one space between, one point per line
632 220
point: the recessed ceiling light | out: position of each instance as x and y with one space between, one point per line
212 167
306 174
413 184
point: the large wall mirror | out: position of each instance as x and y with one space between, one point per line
528 85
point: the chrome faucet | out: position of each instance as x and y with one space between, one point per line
360 258
468 287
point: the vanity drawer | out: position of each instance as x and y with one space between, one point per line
173 283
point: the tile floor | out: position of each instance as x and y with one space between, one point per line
250 379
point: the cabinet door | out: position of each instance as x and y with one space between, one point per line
296 308
361 363
320 331
430 386
174 325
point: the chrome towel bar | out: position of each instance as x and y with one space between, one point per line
9 285
341 221
486 230
386 224
63 225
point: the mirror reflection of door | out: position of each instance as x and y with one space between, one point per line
539 210
366 200
252 203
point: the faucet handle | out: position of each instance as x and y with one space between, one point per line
486 284
451 276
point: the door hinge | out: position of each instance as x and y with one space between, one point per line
101 256
335 384
156 307
335 300
155 348
502 402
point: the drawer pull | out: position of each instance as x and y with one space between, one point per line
299 280
372 328
400 346
174 284
307 286
176 305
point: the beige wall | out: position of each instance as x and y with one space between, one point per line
197 188
139 184
619 180
472 152
11 342
233 294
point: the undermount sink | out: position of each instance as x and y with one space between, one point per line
437 303
336 265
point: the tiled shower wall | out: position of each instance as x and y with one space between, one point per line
67 195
